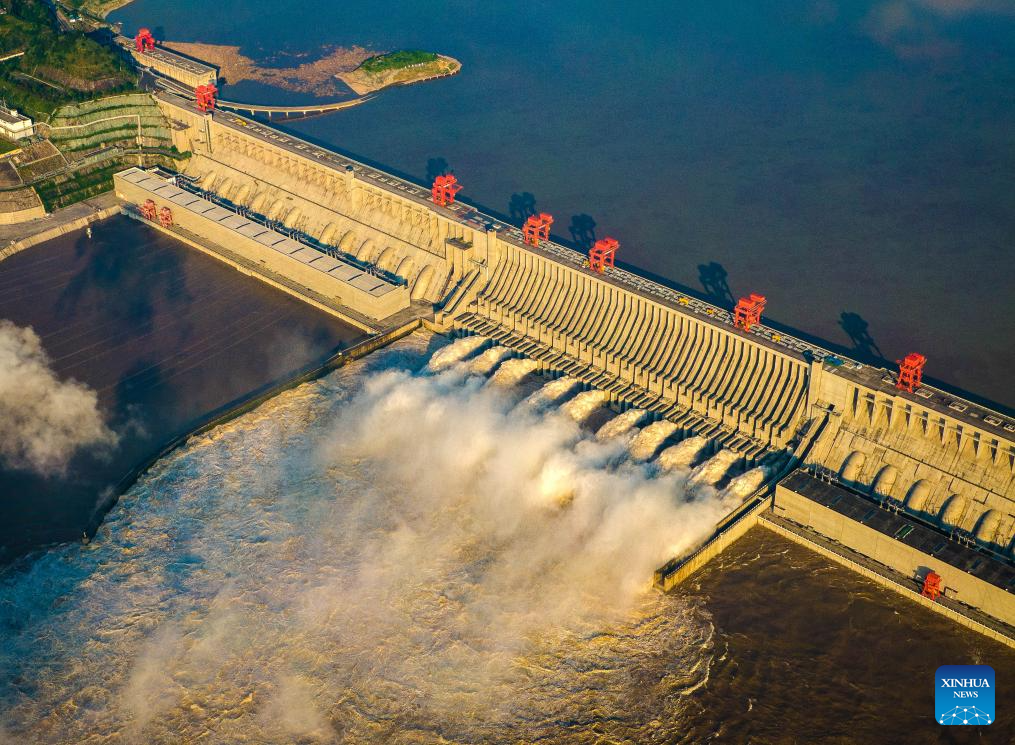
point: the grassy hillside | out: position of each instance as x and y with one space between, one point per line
397 60
57 66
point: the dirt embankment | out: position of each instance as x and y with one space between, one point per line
319 77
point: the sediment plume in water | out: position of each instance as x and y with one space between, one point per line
486 362
513 371
622 424
455 352
648 441
711 471
682 454
582 406
379 556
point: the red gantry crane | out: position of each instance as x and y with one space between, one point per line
206 95
144 41
537 228
148 211
166 217
748 311
910 372
603 254
932 586
444 190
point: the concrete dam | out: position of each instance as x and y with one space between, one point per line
929 477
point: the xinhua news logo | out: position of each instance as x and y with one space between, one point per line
964 694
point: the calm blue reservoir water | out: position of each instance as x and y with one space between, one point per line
851 159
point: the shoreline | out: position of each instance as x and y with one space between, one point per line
17 237
364 83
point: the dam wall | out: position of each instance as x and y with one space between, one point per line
900 544
931 454
645 346
322 274
938 457
358 210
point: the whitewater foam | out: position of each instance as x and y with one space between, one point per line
378 556
648 441
455 352
682 454
622 424
512 372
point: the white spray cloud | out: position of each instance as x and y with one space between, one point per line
416 559
43 420
568 536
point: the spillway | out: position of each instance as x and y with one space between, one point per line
455 352
622 424
648 441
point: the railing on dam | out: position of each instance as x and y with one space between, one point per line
475 219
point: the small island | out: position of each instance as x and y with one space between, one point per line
398 68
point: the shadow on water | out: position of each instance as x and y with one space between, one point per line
436 167
715 279
865 349
583 231
141 389
518 216
111 272
522 206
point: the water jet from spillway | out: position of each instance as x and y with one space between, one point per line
682 454
513 371
648 441
711 471
584 405
747 483
487 362
549 394
622 424
455 352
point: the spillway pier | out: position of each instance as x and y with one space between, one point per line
379 250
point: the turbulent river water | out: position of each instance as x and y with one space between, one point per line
416 550
397 558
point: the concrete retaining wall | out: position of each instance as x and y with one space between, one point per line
16 217
62 228
906 560
386 300
675 572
